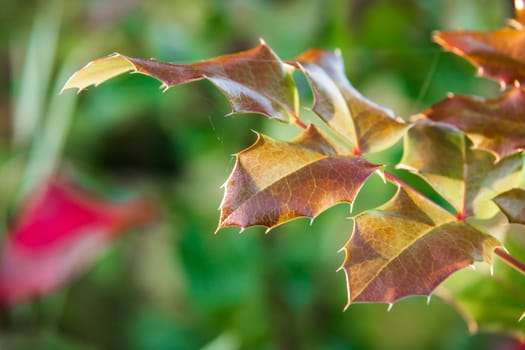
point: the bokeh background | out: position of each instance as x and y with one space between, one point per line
176 284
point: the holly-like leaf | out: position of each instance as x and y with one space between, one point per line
407 247
512 204
367 126
492 303
59 231
467 178
254 81
275 181
496 125
499 54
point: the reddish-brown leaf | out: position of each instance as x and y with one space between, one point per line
407 247
497 125
512 204
492 300
58 232
467 178
275 181
363 123
254 81
499 55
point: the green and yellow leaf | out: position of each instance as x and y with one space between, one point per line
467 178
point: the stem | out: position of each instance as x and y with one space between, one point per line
517 265
395 180
300 123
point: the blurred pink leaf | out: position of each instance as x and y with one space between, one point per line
59 231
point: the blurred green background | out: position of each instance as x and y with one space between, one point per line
177 285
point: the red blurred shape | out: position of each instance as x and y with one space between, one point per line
60 230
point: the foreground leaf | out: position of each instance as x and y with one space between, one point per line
496 125
492 303
499 55
467 178
275 181
363 123
408 247
512 204
254 81
58 233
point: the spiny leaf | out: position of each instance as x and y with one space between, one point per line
496 125
512 204
58 233
499 54
364 124
467 178
254 81
275 181
492 303
408 246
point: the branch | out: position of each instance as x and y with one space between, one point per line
517 265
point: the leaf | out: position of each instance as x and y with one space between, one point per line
492 303
363 123
254 81
275 181
512 204
496 125
407 247
467 178
60 230
499 54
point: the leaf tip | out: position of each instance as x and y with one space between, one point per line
480 72
429 298
381 174
522 317
390 306
268 229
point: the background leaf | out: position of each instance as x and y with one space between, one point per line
57 234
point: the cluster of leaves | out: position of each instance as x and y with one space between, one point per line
468 149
